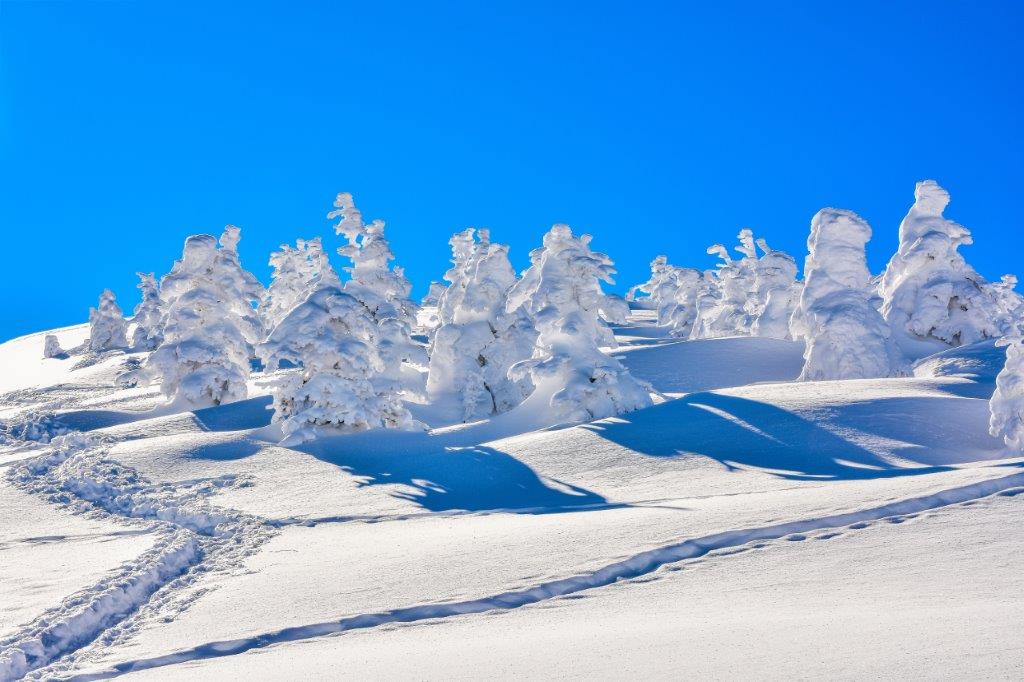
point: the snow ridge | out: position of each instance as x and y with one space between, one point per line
632 567
76 474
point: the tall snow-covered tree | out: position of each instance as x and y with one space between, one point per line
210 325
929 292
107 326
471 352
775 293
383 290
659 288
297 272
561 293
149 314
846 336
334 340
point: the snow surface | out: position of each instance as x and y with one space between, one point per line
745 525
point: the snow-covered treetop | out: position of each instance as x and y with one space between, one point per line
297 272
107 326
565 275
384 290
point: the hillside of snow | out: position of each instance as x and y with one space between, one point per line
743 522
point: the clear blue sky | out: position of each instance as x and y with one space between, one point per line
659 128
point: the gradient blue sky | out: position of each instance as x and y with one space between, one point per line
659 128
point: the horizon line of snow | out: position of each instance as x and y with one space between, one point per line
635 566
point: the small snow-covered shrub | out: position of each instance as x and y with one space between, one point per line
107 326
51 347
846 337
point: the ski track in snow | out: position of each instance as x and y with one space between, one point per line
632 567
75 474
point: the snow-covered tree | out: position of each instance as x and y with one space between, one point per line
210 325
681 313
561 293
846 336
297 272
724 313
659 288
334 340
775 293
51 347
107 326
472 351
149 314
929 292
383 290
614 309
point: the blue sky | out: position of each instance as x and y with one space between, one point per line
658 128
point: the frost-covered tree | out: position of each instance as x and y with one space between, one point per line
149 314
724 312
681 314
846 336
1007 403
929 292
473 350
51 347
658 289
107 326
334 340
297 272
775 293
561 293
383 290
210 325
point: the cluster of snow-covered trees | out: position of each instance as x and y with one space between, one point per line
854 325
344 357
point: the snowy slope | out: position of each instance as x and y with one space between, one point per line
719 531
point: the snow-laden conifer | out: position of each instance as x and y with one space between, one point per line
725 312
846 336
681 313
107 326
210 326
928 290
149 314
472 351
383 290
775 293
561 293
334 341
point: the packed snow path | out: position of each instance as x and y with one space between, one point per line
250 546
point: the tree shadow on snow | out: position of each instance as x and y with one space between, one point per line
442 477
745 433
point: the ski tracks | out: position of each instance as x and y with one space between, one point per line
635 566
192 538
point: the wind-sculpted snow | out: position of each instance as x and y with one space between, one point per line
634 566
75 474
